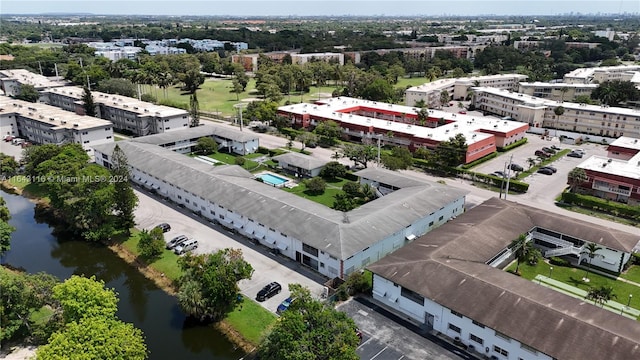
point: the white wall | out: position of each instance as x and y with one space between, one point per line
389 294
8 125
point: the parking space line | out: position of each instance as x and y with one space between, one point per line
401 357
364 343
380 352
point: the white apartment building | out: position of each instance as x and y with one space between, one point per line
601 74
581 118
44 124
334 243
11 80
556 91
445 281
131 115
327 57
459 88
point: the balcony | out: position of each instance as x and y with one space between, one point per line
611 188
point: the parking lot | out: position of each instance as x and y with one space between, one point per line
10 149
267 267
386 336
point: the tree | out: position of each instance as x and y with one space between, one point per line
213 279
125 200
306 138
206 145
399 159
95 338
332 170
310 329
118 86
531 162
616 92
82 297
590 251
151 244
378 90
87 103
28 93
316 185
451 153
194 110
359 154
192 79
5 236
351 188
423 115
522 249
33 156
236 88
444 97
328 131
8 165
600 295
576 177
559 110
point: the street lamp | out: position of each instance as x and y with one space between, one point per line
550 270
239 106
628 303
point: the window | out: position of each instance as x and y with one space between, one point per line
309 249
179 197
440 218
500 350
454 328
456 313
431 223
186 200
503 336
476 339
478 324
411 295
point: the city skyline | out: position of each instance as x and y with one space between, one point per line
321 8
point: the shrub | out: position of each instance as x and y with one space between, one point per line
513 146
148 98
262 150
635 258
240 161
480 161
559 261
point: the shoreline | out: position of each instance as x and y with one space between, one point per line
158 278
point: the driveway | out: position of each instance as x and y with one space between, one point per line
267 267
387 336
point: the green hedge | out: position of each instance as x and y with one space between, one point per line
262 150
291 132
276 152
559 261
612 207
351 176
513 146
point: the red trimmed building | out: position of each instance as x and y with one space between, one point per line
364 120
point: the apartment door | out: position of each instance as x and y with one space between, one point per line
428 321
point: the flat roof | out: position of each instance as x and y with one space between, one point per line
121 102
558 85
26 77
587 72
48 115
623 168
469 80
627 143
468 125
448 266
338 233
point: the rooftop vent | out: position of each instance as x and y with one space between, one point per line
63 122
609 160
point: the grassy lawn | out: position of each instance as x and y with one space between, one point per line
251 320
415 81
118 138
249 165
21 182
214 95
573 276
167 263
632 274
327 198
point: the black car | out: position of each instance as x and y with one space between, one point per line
545 171
553 170
548 150
268 291
542 154
516 167
575 155
164 227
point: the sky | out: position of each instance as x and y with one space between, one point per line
320 8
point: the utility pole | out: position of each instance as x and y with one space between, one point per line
88 83
40 66
508 173
379 137
504 172
56 67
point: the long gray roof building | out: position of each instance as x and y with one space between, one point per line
337 233
448 266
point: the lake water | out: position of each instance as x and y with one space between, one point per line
34 248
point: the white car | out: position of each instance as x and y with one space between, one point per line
186 246
581 151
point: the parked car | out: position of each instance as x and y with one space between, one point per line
462 112
555 148
8 138
17 141
548 150
284 306
164 227
574 154
553 170
545 171
516 167
312 145
186 246
542 154
580 151
268 291
176 241
499 174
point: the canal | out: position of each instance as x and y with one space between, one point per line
168 336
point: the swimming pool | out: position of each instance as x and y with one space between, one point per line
272 179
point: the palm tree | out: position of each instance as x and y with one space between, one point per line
563 90
368 192
522 248
576 177
531 162
590 250
600 295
